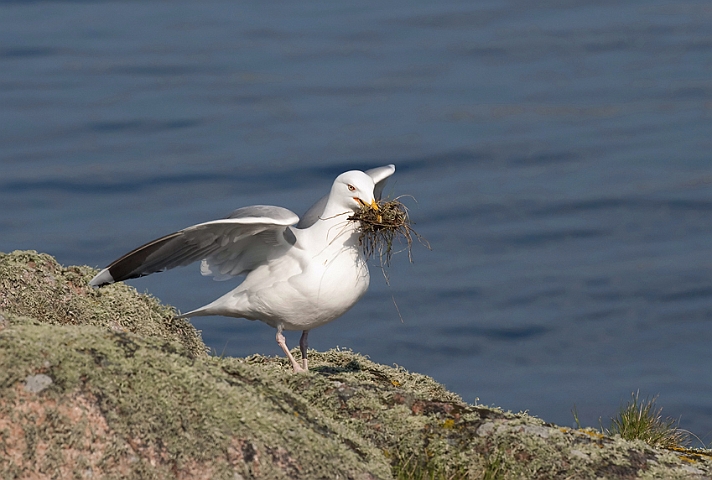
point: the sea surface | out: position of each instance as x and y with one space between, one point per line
557 156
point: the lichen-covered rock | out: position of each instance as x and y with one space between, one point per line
76 400
428 432
103 384
35 286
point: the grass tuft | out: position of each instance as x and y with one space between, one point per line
642 420
419 468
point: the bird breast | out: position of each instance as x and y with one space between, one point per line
304 289
335 280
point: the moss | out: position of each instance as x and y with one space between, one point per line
96 393
142 408
34 285
426 431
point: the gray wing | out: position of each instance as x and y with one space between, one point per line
313 214
237 243
380 177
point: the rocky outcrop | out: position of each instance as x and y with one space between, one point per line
108 384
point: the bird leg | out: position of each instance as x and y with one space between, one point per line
303 345
283 343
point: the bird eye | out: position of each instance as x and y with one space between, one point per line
351 188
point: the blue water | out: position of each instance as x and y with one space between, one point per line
559 153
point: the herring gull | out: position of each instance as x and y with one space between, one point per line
299 273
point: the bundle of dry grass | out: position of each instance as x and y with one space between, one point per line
379 228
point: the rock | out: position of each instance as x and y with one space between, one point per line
36 287
98 384
37 383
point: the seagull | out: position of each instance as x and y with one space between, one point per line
299 274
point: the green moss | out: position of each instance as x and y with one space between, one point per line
34 285
426 431
164 408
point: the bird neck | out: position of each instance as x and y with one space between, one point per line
333 227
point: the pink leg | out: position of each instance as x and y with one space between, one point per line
303 345
282 343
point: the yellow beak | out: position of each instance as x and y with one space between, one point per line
373 204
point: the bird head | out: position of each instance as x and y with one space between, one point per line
354 189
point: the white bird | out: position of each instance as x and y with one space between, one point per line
299 274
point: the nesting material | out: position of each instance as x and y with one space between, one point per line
379 229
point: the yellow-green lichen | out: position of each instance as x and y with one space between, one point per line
159 411
103 385
34 285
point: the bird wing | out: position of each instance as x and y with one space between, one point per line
228 247
380 177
